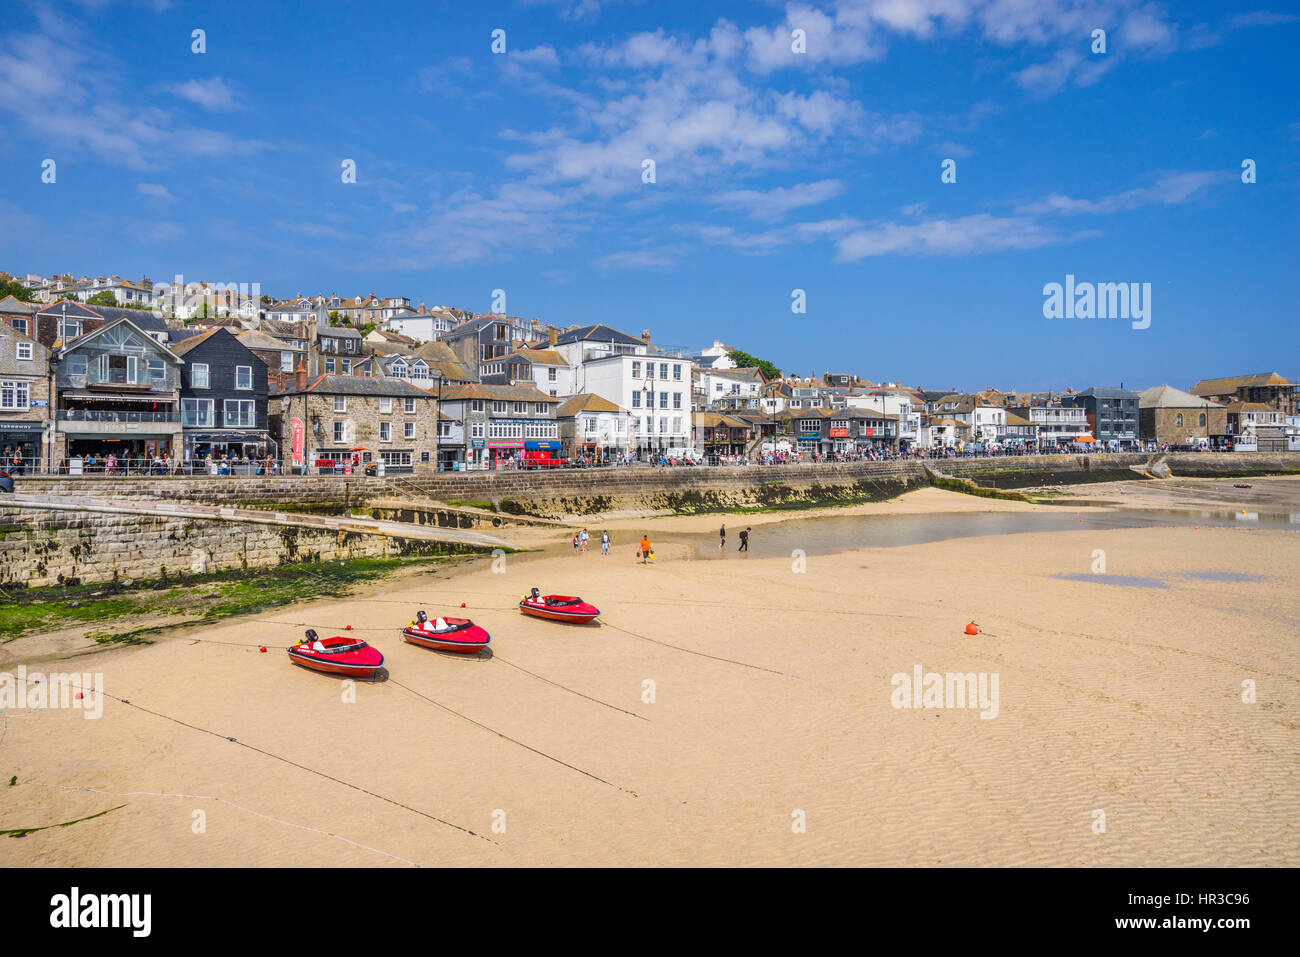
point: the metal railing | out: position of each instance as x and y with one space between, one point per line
99 415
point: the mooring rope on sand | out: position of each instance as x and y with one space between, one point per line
496 657
238 807
291 763
692 651
499 734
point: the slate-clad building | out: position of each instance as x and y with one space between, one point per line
223 401
1112 414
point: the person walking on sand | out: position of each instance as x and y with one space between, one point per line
575 543
582 537
744 541
722 538
645 549
604 543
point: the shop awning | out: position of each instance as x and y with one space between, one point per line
1083 438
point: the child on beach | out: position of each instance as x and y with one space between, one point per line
722 538
644 552
582 537
575 543
604 543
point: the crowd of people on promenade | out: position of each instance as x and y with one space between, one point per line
109 463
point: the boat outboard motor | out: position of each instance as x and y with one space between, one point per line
311 634
421 617
536 594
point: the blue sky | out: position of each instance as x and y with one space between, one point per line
775 170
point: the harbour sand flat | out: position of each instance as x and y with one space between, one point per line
1119 704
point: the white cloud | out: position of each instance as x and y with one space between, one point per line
775 203
1170 190
213 94
637 259
967 235
156 190
81 104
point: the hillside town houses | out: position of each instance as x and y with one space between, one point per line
111 374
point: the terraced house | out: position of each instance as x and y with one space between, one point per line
24 401
118 390
501 423
223 398
354 421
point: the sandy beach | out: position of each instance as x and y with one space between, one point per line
1120 734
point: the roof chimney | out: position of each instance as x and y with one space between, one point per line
551 337
302 379
645 336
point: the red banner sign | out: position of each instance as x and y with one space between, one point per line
299 435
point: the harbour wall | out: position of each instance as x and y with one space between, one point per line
51 547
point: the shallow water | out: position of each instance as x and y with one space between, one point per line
824 535
1130 581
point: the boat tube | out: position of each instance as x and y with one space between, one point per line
557 607
336 656
446 634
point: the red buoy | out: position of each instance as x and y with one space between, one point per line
972 629
347 627
262 649
462 604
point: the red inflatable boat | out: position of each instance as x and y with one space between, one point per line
446 634
336 656
558 607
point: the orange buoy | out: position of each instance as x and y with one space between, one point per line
972 629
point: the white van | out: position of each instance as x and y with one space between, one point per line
681 452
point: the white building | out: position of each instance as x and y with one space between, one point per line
656 390
126 292
716 356
424 325
730 388
892 403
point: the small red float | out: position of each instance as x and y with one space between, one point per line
972 629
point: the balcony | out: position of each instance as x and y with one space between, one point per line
97 415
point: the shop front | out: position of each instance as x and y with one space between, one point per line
227 446
23 441
501 451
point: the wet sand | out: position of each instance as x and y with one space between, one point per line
1113 697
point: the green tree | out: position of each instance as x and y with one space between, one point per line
744 360
102 298
12 287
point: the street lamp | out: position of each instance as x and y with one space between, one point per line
648 402
54 423
437 426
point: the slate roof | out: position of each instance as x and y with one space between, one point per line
360 385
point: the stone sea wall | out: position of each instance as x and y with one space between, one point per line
566 493
48 547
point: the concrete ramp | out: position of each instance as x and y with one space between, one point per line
256 516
